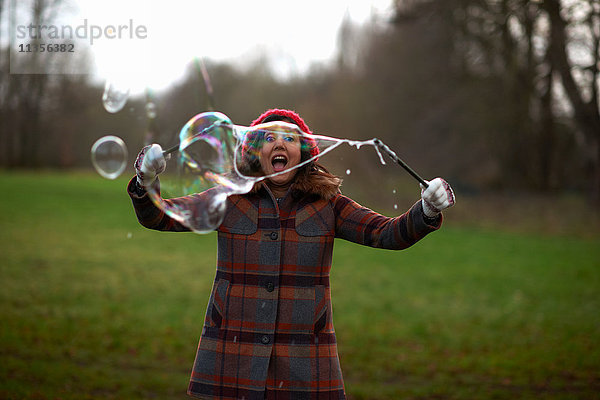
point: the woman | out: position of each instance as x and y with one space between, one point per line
268 330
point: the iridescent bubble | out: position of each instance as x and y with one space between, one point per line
348 172
217 159
109 156
202 171
115 96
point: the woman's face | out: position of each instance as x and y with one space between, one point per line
279 152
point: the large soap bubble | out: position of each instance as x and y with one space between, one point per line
109 156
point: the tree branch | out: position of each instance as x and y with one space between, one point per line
586 116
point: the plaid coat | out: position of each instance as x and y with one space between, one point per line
268 330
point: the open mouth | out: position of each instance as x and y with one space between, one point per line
279 162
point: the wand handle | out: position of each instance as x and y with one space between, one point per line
397 159
170 150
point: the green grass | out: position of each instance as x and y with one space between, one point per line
93 306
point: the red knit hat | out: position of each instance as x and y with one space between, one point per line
312 144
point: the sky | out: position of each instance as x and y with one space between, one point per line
293 34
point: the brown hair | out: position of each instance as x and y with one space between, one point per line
313 178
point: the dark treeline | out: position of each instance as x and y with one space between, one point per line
492 94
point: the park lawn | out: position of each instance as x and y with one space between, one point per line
93 306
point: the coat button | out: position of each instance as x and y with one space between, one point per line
265 339
274 235
270 287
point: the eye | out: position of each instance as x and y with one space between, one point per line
290 139
270 138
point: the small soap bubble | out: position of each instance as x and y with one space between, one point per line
395 206
394 191
129 235
151 110
109 156
115 96
348 172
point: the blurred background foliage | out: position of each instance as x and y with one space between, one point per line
495 95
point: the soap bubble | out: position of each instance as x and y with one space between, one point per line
151 110
115 96
109 156
217 159
203 171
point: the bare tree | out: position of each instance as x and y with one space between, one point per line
524 52
22 95
582 19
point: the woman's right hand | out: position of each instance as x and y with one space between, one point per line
149 163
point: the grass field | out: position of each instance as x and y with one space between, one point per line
93 306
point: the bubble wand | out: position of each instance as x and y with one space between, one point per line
170 150
382 146
175 148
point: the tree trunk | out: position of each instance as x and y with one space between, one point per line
586 114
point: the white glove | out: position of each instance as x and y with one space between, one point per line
437 197
148 164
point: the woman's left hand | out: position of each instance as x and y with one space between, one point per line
149 163
437 197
